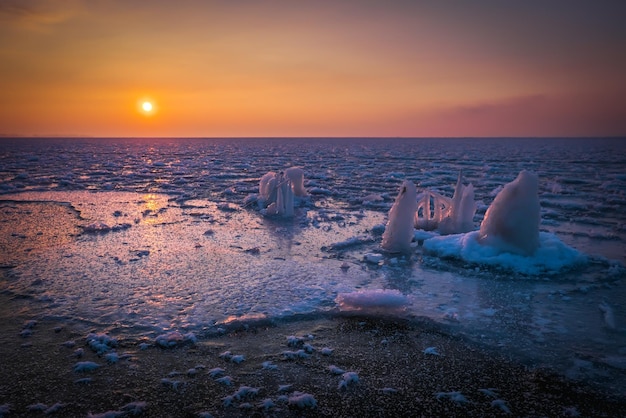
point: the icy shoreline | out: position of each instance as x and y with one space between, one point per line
150 239
185 269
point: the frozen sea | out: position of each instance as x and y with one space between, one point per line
140 237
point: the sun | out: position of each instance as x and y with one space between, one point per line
147 106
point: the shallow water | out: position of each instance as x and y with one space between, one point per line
184 252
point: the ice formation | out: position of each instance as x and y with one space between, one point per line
399 230
174 338
335 370
552 255
226 380
455 396
433 208
431 351
101 343
607 315
276 193
294 355
374 300
448 216
509 235
296 176
460 216
245 392
511 223
216 372
85 366
302 400
348 378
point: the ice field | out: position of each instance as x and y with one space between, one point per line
140 237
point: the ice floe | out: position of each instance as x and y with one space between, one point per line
374 301
551 256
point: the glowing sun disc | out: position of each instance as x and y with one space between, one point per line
146 106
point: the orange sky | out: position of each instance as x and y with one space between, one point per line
318 68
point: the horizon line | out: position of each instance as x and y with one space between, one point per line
8 136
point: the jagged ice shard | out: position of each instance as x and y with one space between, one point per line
399 230
511 223
448 216
460 217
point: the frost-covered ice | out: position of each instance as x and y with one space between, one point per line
348 378
174 338
85 366
172 383
216 372
454 396
501 405
302 400
607 314
131 409
245 392
294 355
101 343
225 380
327 351
335 370
268 365
153 240
431 351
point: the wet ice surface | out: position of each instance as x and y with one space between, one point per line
187 266
155 237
